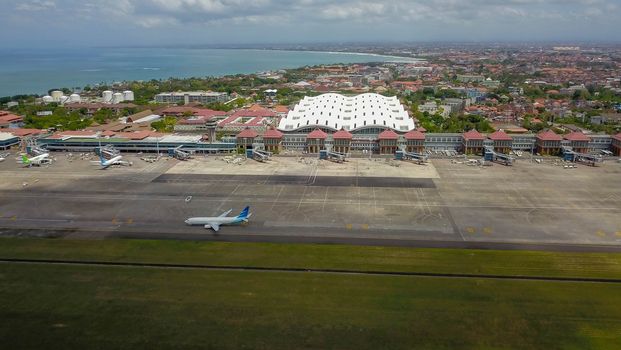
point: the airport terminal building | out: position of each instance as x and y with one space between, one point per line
366 123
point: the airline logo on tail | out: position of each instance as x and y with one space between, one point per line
244 215
25 160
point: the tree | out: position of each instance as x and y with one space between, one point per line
165 125
103 115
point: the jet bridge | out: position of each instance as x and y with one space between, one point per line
108 151
259 155
336 157
416 157
569 155
493 156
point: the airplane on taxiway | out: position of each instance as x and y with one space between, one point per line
217 221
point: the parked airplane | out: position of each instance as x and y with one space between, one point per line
37 160
215 222
105 163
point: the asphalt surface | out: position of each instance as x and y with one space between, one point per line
527 206
318 181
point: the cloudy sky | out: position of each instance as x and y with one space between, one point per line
28 23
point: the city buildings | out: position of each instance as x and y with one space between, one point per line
202 97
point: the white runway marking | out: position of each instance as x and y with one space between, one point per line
277 197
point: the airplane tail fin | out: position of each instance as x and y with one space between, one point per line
244 214
101 157
25 159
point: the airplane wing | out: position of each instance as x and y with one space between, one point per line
95 162
225 213
215 227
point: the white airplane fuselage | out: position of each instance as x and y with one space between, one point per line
38 160
208 221
112 161
214 222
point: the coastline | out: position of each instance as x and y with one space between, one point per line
353 53
26 77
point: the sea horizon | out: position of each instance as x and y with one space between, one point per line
35 71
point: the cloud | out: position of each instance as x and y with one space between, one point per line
321 20
36 5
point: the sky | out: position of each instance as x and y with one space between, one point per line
80 23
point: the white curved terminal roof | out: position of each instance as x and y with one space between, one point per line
334 111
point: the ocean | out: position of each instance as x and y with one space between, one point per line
35 71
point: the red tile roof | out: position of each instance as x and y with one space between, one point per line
9 118
342 135
317 134
247 133
281 109
388 135
255 107
232 120
138 135
576 136
272 133
19 132
415 135
421 129
77 133
549 136
74 133
499 136
617 136
209 113
262 112
473 135
195 120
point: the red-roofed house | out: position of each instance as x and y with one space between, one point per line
342 141
616 144
19 132
281 110
245 139
415 141
502 141
316 141
472 142
272 139
257 118
388 141
548 143
578 141
8 120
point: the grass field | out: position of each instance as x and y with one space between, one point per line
603 265
91 307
